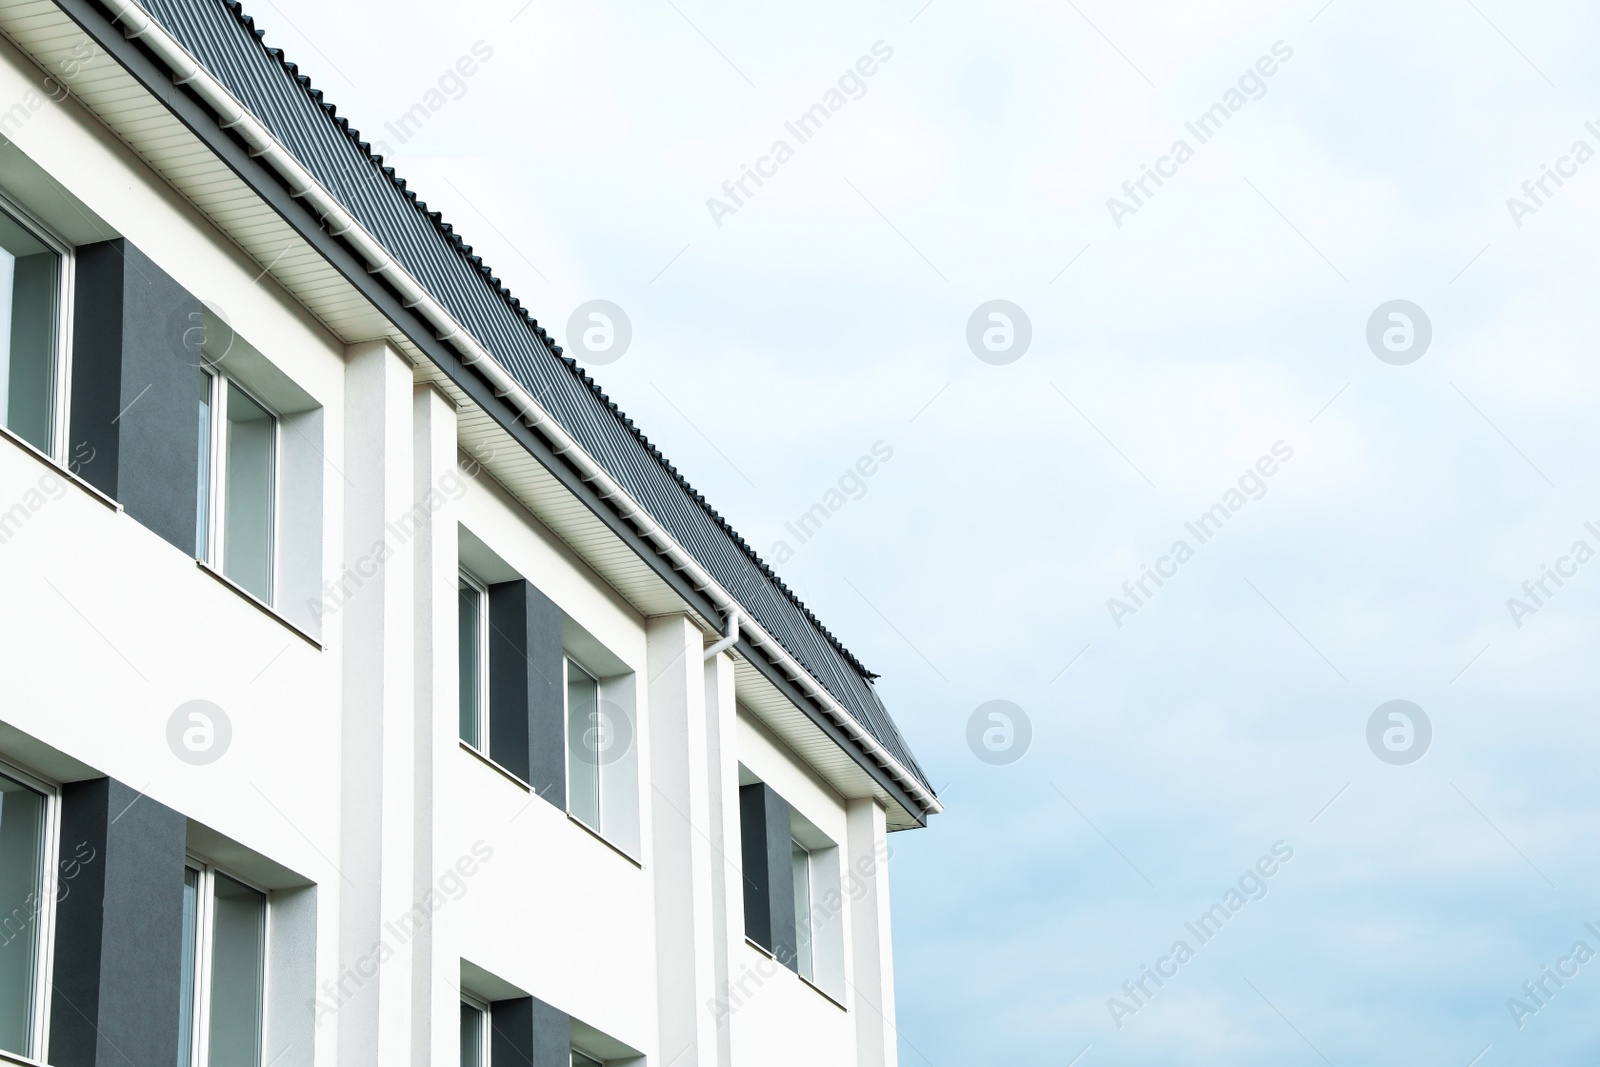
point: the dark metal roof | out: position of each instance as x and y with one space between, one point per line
226 40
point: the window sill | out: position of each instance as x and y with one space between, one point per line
71 476
592 832
493 766
259 604
823 993
20 1061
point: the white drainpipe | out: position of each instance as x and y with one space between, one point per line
729 639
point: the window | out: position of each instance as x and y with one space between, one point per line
586 745
794 905
473 609
238 483
819 918
24 898
223 974
580 1060
474 1033
598 724
804 961
33 276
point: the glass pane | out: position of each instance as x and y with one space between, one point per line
247 524
580 1060
802 907
583 745
29 275
471 667
471 1036
191 925
21 889
202 531
238 956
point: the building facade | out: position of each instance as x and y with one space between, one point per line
378 693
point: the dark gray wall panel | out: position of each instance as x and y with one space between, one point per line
136 383
119 930
509 668
97 365
527 730
527 1032
766 853
547 700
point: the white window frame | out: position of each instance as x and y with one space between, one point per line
219 382
806 968
49 889
205 893
567 663
485 1027
60 398
482 747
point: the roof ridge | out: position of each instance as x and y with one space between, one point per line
460 245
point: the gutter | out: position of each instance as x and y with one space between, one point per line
138 25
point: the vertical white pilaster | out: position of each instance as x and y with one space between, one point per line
682 848
866 879
727 889
377 728
438 485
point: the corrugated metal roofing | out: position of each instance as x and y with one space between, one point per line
222 37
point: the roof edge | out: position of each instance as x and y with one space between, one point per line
465 250
304 185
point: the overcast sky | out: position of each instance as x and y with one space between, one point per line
1197 331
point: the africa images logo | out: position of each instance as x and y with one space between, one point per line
1252 85
807 125
1252 485
1252 885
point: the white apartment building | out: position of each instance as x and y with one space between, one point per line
375 693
